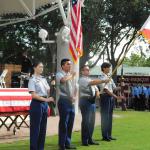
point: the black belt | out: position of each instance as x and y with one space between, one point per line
35 100
39 100
65 97
105 94
87 97
90 99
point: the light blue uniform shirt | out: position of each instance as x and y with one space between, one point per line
68 88
149 91
135 91
110 86
140 89
132 91
39 85
85 89
145 91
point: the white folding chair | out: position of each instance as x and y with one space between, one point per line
2 77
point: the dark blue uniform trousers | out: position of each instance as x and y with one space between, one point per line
38 124
66 121
88 120
107 104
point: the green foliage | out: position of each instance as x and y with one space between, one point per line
137 60
147 62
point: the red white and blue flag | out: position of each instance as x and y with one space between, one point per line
76 38
145 30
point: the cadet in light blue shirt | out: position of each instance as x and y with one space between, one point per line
143 98
39 89
67 93
145 91
107 103
139 89
135 91
136 97
148 89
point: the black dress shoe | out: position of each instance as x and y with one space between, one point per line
93 143
70 147
112 138
85 144
61 148
106 139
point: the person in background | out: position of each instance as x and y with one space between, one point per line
123 101
107 103
88 93
141 101
53 94
67 84
39 89
144 97
148 89
136 97
26 68
131 100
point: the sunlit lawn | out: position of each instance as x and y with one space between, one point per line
132 130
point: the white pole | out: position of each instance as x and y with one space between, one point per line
68 13
63 52
62 12
33 7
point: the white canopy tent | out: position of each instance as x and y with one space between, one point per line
29 9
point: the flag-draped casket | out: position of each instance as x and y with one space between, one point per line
14 99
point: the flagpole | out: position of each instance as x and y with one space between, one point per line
68 13
122 71
120 61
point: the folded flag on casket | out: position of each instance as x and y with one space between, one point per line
145 30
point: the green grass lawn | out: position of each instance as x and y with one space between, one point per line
132 130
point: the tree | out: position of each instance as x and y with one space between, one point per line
123 19
147 62
92 31
137 60
134 60
110 24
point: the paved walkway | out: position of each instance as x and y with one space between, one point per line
52 129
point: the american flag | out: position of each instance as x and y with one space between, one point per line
14 99
76 41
